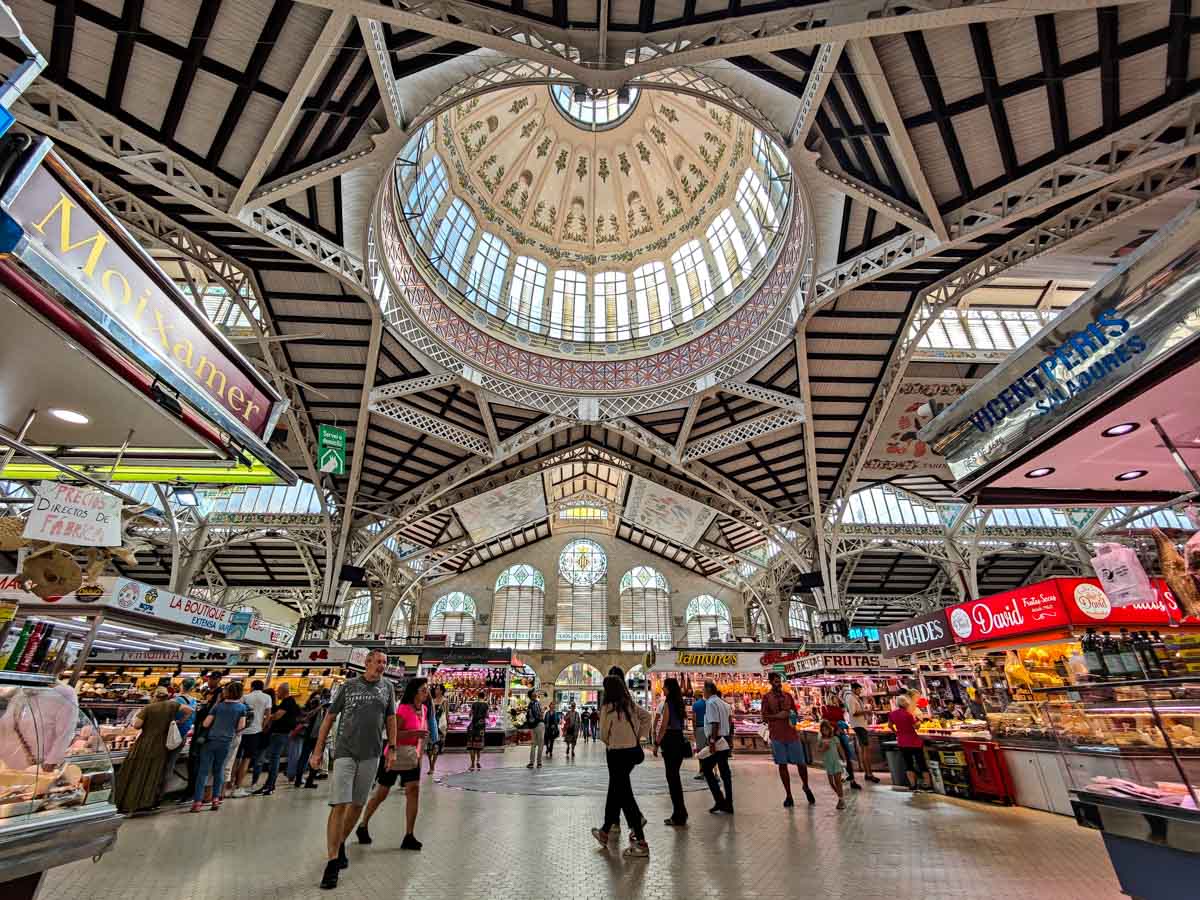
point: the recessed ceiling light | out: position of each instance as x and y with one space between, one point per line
1040 472
1131 474
1118 430
69 415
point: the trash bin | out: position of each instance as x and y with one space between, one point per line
895 762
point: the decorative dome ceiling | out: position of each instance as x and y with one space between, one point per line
552 241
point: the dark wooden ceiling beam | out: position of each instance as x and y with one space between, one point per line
1056 94
201 29
62 41
937 105
127 34
1178 46
1110 80
991 84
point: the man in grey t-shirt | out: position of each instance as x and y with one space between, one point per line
364 706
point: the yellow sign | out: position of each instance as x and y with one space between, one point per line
717 660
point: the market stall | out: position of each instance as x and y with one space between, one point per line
468 673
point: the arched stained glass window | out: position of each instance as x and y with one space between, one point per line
692 280
653 307
729 251
568 305
756 207
487 272
582 597
518 607
453 237
453 615
703 613
645 609
526 294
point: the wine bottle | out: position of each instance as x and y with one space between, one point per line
1162 654
1129 657
1091 655
1111 654
1145 652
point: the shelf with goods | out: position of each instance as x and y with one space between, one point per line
472 673
948 768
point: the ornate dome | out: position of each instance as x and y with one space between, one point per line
644 236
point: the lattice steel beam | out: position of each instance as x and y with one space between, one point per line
741 433
432 425
869 196
762 395
381 65
369 153
816 83
412 386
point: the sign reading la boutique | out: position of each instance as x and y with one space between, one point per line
927 632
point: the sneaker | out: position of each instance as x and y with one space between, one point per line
330 879
675 823
789 803
264 792
871 778
855 786
343 860
720 809
808 795
601 836
364 836
699 777
841 804
637 850
530 766
241 792
410 843
196 807
216 806
539 765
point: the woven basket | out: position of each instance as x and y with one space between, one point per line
52 574
10 533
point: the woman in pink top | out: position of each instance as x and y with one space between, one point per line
411 731
911 743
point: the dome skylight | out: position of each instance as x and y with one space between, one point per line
593 108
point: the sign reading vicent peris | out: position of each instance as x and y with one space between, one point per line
57 220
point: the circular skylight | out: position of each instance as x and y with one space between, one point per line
592 107
582 562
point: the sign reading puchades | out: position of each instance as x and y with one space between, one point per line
1143 311
1058 603
927 632
62 233
150 602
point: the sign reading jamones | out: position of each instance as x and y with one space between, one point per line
927 632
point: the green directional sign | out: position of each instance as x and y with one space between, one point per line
331 450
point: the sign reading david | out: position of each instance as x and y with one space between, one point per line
59 230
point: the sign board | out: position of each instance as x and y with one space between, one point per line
207 657
64 514
331 450
465 656
1089 606
821 662
1026 610
710 661
927 632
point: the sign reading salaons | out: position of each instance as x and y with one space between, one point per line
68 227
927 632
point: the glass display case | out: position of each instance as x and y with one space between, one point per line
56 781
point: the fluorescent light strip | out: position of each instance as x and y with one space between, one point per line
140 631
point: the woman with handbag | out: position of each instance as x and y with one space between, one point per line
139 780
297 736
672 717
411 732
622 725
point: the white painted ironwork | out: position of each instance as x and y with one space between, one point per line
742 432
432 425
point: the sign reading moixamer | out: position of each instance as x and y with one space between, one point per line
61 220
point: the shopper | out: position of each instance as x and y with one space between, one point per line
911 744
594 722
223 723
570 730
315 720
835 714
675 747
411 734
537 729
208 700
184 720
438 720
364 707
719 724
283 719
551 720
778 711
477 731
858 714
140 778
297 738
622 726
250 751
698 707
829 748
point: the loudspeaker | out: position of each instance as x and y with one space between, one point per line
356 575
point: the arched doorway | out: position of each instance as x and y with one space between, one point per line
578 683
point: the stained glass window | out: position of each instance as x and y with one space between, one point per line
518 607
704 613
452 615
487 272
645 609
568 304
610 307
729 251
692 280
582 562
653 298
526 293
582 597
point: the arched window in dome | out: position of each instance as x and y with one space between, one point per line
582 597
526 293
757 210
568 305
454 615
486 276
703 614
653 299
729 251
611 307
357 618
645 609
424 198
518 605
774 165
692 280
452 240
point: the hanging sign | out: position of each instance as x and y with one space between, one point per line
710 661
331 450
820 662
927 632
64 514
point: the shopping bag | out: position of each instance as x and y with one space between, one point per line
1121 575
174 738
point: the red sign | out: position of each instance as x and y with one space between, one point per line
771 657
1037 607
1088 605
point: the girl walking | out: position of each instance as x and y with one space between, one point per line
832 759
622 726
477 732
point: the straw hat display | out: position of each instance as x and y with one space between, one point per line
52 572
11 528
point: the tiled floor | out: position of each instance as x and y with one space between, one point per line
885 846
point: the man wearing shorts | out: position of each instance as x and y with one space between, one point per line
363 707
858 713
786 746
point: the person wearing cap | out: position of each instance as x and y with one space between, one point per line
139 780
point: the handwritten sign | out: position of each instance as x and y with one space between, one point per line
64 514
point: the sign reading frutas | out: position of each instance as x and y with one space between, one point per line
927 632
63 514
331 450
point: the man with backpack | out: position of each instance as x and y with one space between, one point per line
535 722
